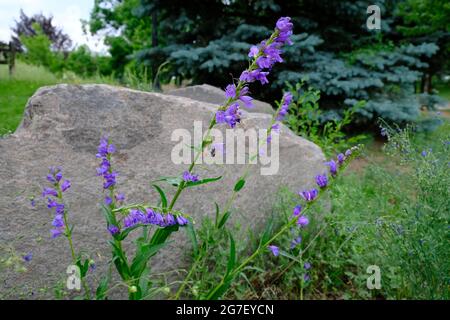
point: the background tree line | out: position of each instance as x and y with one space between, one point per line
393 69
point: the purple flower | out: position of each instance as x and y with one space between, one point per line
255 75
56 232
348 153
254 50
59 208
182 220
322 180
230 91
284 24
33 202
120 197
58 221
246 99
307 265
296 242
333 167
65 185
306 277
302 221
187 176
49 192
424 153
383 132
309 195
264 62
169 220
108 201
113 230
340 158
231 116
28 257
297 211
274 249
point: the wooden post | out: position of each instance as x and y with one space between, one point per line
12 59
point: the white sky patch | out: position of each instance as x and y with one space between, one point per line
66 15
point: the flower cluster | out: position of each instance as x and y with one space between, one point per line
105 150
152 217
280 115
188 177
54 199
311 195
264 56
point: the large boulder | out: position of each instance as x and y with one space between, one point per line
62 126
216 96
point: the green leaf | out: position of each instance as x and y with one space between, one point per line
203 181
109 217
162 194
191 233
216 220
232 258
223 220
100 293
120 261
174 181
239 185
144 253
218 291
126 232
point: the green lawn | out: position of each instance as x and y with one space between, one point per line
15 92
444 91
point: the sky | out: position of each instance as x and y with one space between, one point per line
66 15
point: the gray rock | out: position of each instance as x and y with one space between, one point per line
216 96
62 126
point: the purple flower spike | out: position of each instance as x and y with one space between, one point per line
322 180
274 249
302 221
348 153
309 195
307 265
340 158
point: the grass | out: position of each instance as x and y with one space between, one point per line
444 90
15 92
